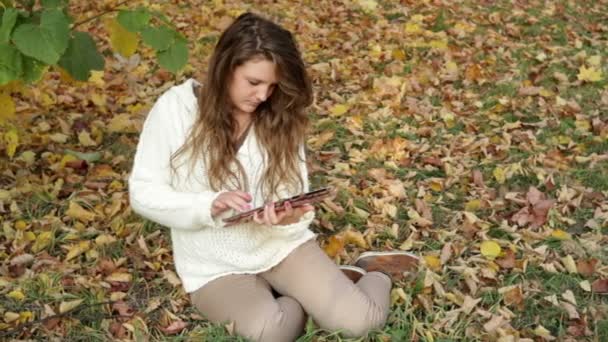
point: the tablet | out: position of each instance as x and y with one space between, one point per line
295 201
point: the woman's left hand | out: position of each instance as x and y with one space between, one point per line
288 216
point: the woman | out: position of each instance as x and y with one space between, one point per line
237 142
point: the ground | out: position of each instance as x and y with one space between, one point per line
472 133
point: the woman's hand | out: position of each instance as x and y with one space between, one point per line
237 200
288 216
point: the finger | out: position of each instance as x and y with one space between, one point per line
306 208
220 205
243 195
287 212
257 219
272 214
267 214
236 204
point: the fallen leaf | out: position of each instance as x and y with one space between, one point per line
77 212
586 267
490 249
600 286
590 74
334 246
78 249
69 305
175 327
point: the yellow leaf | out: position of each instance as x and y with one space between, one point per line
412 28
69 305
436 186
29 157
7 107
560 234
472 205
116 296
355 237
66 159
590 74
432 262
10 316
25 316
368 6
490 249
97 78
42 241
99 100
21 225
119 277
499 174
104 239
75 211
121 40
438 44
16 295
338 110
85 139
29 236
11 139
121 123
78 249
398 54
569 264
334 246
541 331
594 60
583 125
59 137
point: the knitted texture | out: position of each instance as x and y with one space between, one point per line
203 249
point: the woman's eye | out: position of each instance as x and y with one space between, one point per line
254 83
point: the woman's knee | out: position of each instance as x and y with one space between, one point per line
285 322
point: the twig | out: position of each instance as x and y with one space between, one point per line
113 9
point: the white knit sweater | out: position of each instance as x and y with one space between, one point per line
203 249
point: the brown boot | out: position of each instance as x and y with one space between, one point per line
353 273
394 263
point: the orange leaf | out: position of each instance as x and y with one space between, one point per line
334 246
600 286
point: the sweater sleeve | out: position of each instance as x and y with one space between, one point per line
150 192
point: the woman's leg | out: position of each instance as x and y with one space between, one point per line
325 293
247 301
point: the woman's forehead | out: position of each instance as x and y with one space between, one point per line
261 70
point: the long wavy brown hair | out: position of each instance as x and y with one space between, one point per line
280 123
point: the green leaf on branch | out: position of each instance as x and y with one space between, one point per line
159 39
11 63
134 21
32 70
45 42
81 57
121 39
174 58
9 18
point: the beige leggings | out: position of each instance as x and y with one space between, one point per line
308 283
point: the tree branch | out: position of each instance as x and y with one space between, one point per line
113 9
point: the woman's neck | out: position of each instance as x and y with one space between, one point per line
243 120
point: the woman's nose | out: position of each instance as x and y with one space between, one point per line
263 94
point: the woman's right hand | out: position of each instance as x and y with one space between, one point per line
237 200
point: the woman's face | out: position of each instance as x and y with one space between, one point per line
252 83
